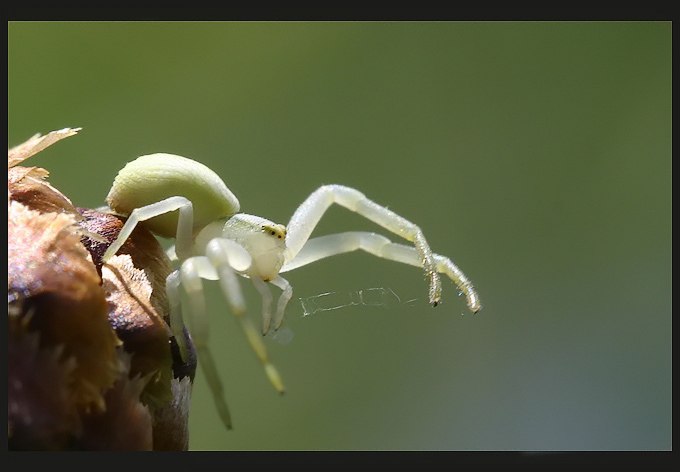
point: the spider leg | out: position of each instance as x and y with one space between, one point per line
220 252
198 325
267 298
172 283
286 294
378 245
184 224
307 216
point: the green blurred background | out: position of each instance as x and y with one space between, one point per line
536 155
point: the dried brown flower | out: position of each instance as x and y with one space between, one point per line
90 362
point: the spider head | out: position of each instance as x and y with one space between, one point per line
264 240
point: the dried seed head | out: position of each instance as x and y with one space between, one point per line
71 382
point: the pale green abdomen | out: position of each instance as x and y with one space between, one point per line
155 177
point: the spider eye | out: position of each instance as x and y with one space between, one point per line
278 231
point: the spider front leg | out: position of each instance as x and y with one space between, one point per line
184 224
378 245
307 216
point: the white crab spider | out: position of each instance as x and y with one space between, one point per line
214 242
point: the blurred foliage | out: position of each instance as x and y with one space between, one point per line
536 155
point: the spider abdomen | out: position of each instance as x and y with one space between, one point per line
154 177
